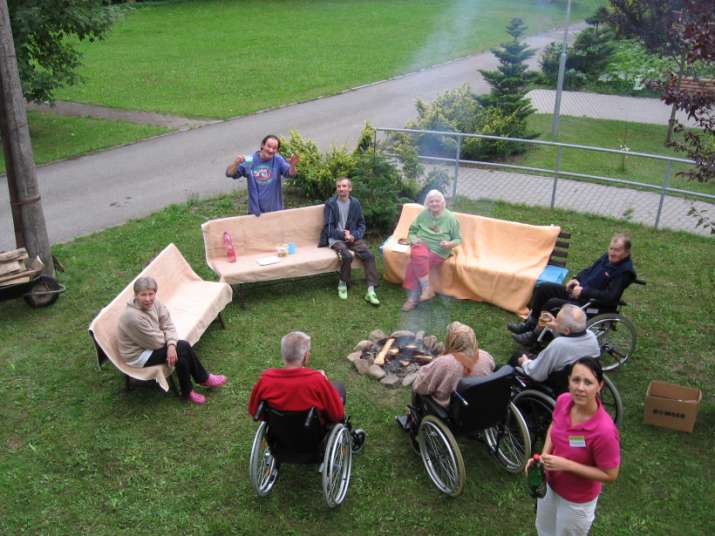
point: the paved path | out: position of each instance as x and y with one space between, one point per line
93 192
597 106
102 112
107 188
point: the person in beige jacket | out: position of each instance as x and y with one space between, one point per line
147 337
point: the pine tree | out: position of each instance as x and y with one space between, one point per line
510 80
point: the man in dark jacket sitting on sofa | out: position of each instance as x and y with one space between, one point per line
343 231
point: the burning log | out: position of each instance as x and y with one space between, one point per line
380 359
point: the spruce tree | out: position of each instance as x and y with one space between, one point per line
510 80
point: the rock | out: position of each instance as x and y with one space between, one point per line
402 333
419 335
362 366
407 380
362 346
391 381
412 367
376 371
429 341
354 356
438 348
376 335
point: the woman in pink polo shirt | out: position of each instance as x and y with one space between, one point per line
581 451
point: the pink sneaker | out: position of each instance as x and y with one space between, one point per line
214 381
197 398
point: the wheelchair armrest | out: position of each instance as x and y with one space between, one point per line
430 406
260 410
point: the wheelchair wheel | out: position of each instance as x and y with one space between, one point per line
536 408
263 468
510 441
616 337
337 465
611 400
441 455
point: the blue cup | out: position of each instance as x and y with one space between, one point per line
292 248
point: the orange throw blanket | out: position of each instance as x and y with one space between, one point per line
498 261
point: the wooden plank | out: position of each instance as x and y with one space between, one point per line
13 254
9 267
9 279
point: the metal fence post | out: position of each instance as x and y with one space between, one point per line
666 182
557 170
456 166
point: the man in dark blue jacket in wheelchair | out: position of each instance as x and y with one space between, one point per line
603 282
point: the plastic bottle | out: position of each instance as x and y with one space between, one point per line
535 478
228 243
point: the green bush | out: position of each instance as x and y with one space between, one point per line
316 172
586 60
456 110
378 185
493 122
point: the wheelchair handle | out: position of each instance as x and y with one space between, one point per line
259 411
309 418
461 399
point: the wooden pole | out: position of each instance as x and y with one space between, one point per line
26 205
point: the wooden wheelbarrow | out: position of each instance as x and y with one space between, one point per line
20 278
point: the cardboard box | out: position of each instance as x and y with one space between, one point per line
672 406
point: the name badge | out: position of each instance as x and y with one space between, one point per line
577 441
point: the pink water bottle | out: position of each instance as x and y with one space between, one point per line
228 243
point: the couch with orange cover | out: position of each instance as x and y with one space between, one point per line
498 261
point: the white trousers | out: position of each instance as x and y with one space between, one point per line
555 516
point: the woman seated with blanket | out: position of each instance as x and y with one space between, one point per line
432 236
462 357
147 337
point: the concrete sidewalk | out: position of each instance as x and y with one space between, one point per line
597 106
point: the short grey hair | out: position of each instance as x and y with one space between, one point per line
623 239
435 193
294 346
572 317
145 283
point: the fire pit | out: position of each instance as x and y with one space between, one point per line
395 359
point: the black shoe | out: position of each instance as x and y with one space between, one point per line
520 327
525 339
403 421
359 437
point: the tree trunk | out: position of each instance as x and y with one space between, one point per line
26 205
671 124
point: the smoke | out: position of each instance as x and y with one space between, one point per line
454 24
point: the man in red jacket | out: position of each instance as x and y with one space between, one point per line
295 387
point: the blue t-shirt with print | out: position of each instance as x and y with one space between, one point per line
265 187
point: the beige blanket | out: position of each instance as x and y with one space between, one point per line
257 239
192 302
498 262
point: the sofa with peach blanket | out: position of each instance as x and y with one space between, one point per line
256 241
192 302
498 261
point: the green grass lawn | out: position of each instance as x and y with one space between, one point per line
82 456
230 58
55 137
609 134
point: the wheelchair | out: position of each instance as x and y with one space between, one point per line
616 334
536 401
480 409
299 437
